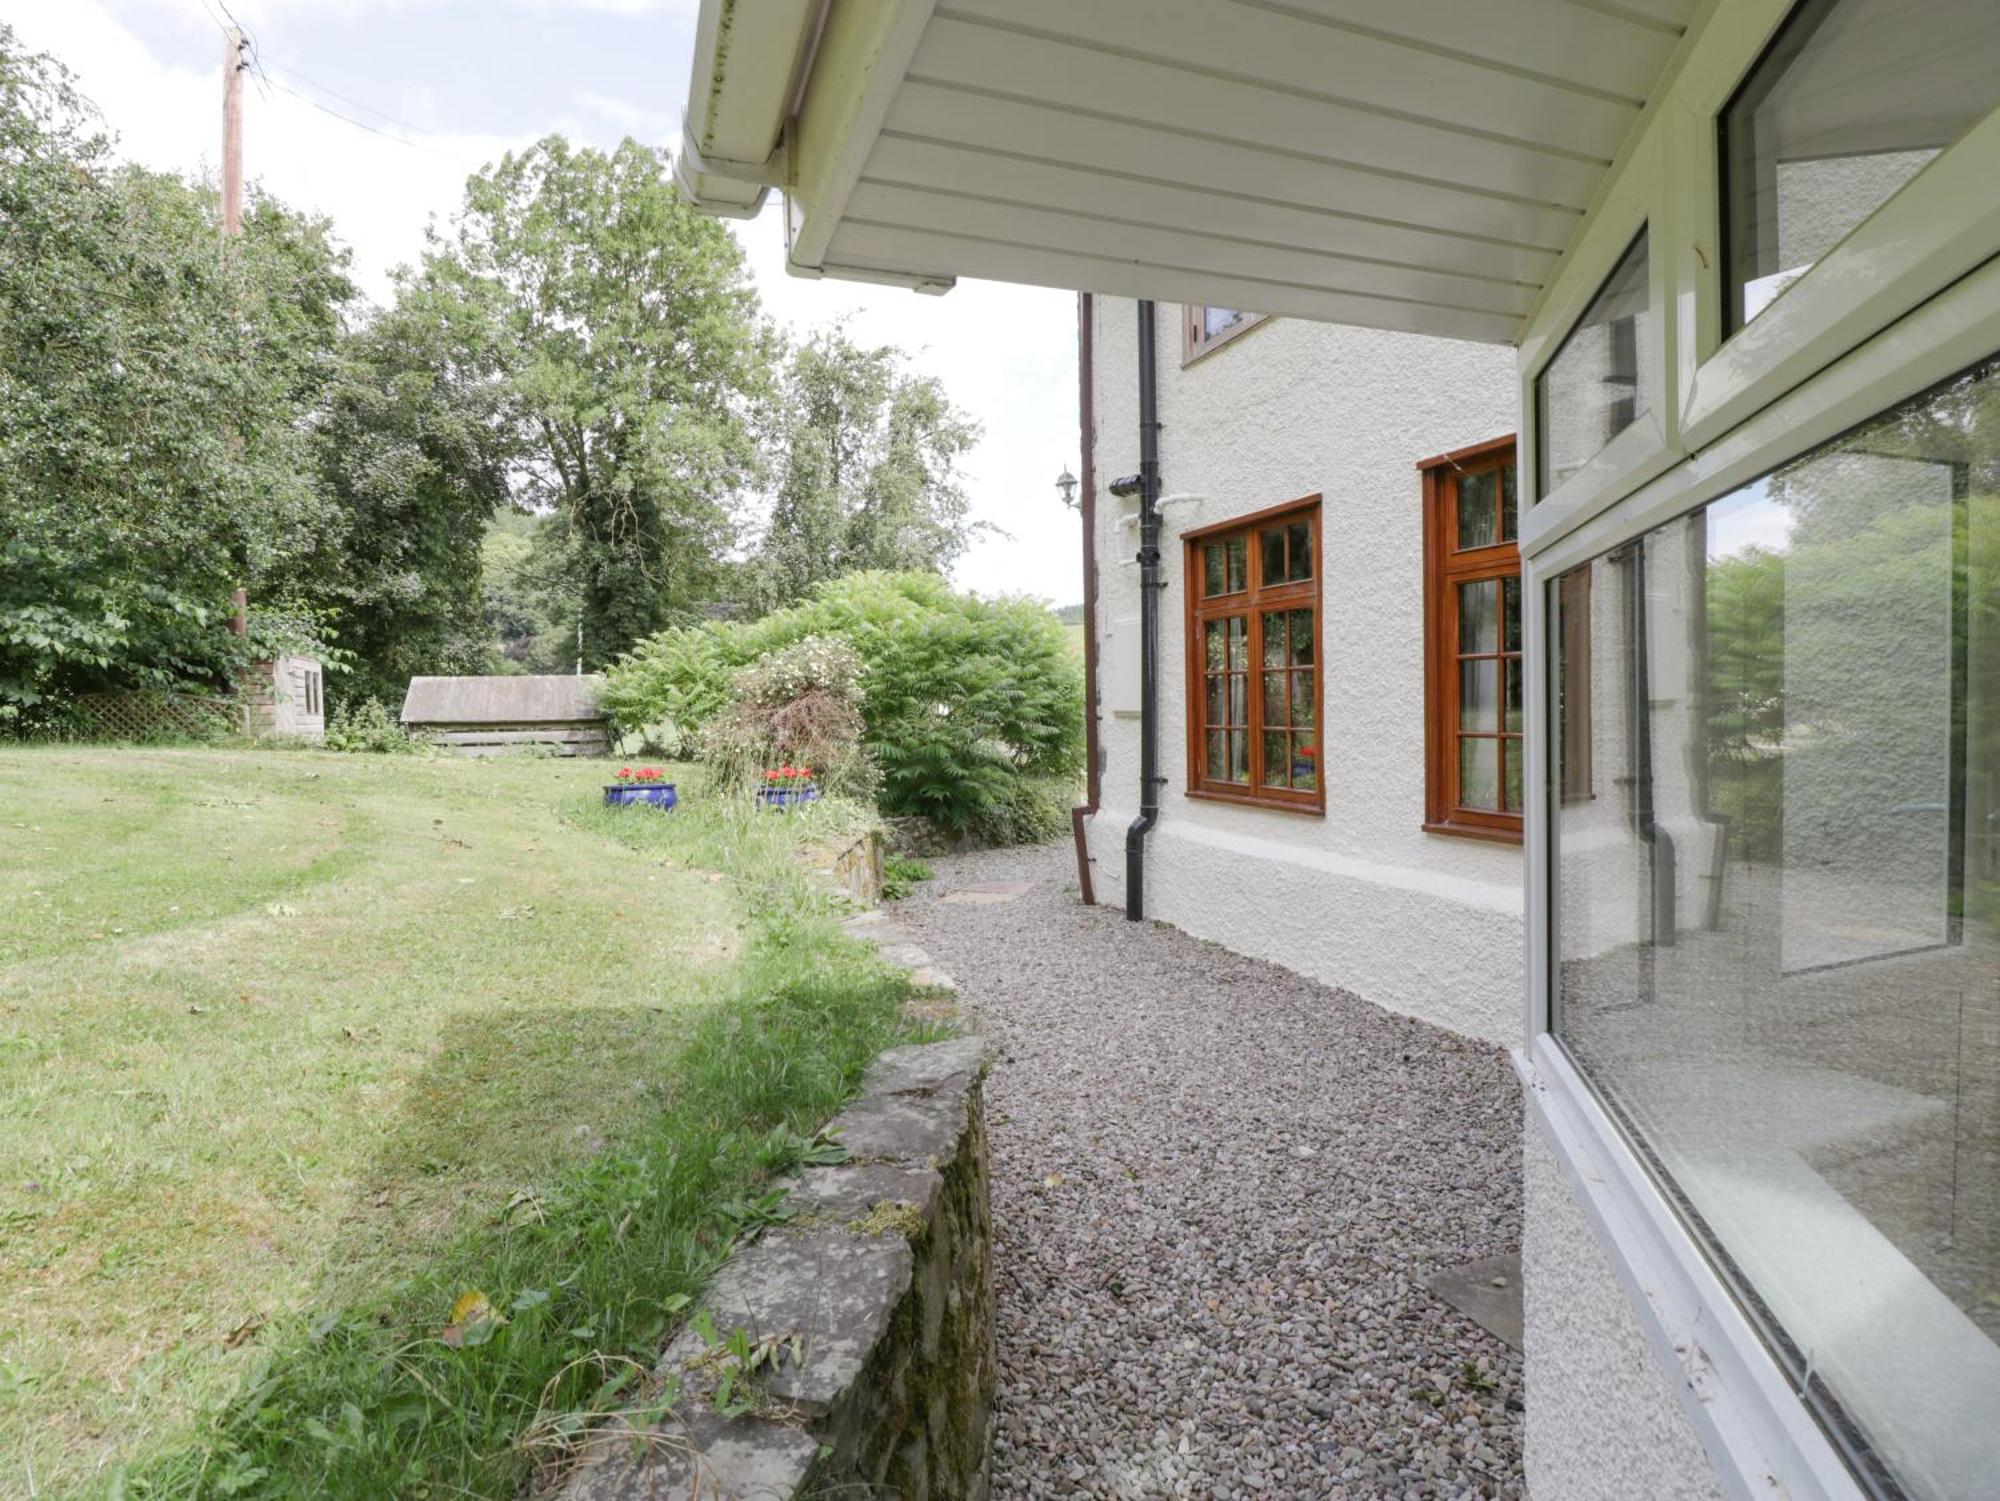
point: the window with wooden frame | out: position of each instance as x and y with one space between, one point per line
1474 706
1253 631
1204 328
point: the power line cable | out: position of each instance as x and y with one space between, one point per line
327 109
423 130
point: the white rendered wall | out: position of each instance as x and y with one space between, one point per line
1602 1425
1425 924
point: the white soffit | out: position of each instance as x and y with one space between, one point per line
1405 164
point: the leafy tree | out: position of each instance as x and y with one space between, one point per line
152 455
414 453
868 471
530 605
624 330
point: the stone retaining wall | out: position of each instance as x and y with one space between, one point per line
877 1297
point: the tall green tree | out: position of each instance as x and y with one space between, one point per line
625 332
414 451
153 383
867 471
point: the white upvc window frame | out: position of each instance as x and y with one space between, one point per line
1819 360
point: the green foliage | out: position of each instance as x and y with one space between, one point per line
901 875
370 727
868 471
623 331
797 706
152 454
412 454
973 708
672 685
529 604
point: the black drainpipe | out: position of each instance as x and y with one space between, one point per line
1661 843
1150 584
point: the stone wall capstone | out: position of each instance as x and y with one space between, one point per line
878 1297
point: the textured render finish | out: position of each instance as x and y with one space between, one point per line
1603 1424
1423 924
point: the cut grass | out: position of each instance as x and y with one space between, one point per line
300 1048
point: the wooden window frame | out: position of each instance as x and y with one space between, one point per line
1253 601
1445 568
1196 341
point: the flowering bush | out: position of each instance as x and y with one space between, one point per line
973 707
792 711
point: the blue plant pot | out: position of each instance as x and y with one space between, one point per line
782 798
660 795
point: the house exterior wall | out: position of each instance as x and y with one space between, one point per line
1601 1422
1424 924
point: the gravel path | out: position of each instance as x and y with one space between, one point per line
1217 1188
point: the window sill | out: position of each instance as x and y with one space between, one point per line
1755 1430
1252 800
1473 831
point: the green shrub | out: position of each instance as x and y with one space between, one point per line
901 875
973 708
668 687
370 727
798 706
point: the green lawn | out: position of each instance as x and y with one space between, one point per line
295 1047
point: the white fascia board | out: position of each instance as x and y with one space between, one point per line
748 57
861 58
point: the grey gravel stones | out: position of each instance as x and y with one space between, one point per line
1218 1192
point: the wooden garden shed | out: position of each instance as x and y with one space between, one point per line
489 716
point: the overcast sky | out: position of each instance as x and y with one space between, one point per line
450 84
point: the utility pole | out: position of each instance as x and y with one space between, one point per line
235 58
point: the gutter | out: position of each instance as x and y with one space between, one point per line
1147 484
1086 423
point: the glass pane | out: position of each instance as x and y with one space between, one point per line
1239 698
1239 756
1215 635
1219 320
1601 380
1298 543
1305 765
1218 699
1277 761
1239 565
1302 638
1302 700
1779 918
1510 614
1212 569
1847 104
1218 755
1478 509
1510 504
1513 685
1510 774
1274 698
1272 540
1478 774
1239 642
1478 605
1479 696
1276 628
